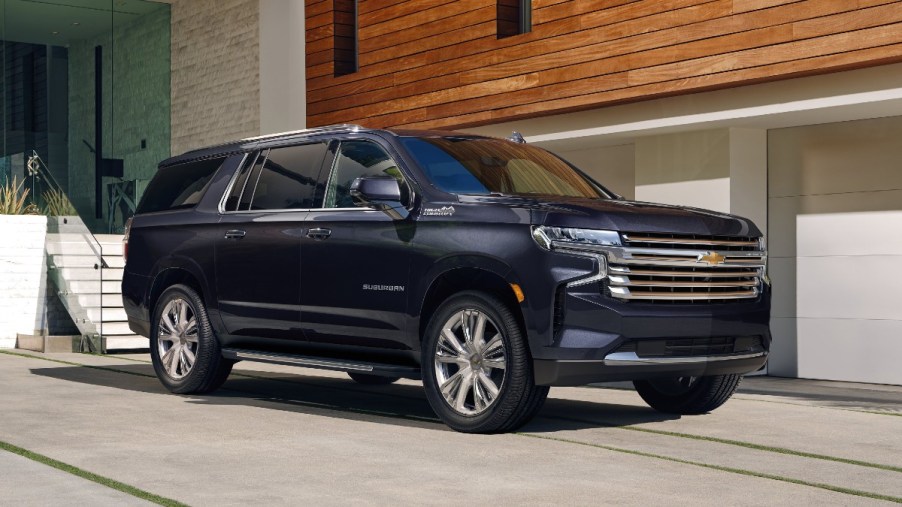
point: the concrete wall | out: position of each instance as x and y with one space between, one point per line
835 209
722 170
612 166
215 71
691 168
283 99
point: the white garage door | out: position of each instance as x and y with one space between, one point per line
835 238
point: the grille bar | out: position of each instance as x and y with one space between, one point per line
626 281
675 240
667 268
625 293
695 273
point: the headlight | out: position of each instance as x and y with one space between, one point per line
585 242
546 237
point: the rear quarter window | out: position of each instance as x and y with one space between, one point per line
179 186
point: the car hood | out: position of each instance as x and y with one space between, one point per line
628 216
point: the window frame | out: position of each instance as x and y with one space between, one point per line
251 157
222 158
332 167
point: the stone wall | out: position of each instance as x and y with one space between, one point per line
23 282
215 71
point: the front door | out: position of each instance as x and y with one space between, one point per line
258 252
355 260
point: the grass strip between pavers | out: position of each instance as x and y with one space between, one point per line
84 474
750 473
759 447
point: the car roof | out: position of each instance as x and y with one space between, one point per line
251 143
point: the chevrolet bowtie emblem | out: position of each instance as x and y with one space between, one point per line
712 258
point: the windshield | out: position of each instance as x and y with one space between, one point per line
460 165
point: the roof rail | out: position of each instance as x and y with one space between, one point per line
315 130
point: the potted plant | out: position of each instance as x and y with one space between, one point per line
23 273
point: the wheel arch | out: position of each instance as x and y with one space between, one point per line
471 273
174 271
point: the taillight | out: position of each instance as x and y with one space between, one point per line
128 229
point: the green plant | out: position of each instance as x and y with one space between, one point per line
12 198
56 204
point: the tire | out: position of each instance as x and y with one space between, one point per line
494 390
688 395
372 380
209 369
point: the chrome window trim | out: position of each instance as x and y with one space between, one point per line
295 210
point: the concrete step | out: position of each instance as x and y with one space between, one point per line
85 260
98 300
107 314
116 329
78 274
126 342
95 287
73 261
112 244
111 274
114 262
68 248
111 287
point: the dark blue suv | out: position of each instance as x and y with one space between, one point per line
488 268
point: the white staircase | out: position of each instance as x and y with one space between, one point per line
87 269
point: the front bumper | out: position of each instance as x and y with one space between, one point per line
601 339
618 368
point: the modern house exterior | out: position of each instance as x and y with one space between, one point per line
788 112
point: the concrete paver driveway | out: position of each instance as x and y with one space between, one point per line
278 435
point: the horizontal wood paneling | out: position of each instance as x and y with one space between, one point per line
435 63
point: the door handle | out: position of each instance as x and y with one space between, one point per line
234 234
319 234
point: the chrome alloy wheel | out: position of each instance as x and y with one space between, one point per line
470 361
177 341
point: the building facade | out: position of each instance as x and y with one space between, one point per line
785 111
788 112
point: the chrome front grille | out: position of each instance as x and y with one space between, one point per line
685 268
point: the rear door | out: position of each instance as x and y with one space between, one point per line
258 251
355 260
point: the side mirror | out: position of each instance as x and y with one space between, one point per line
381 193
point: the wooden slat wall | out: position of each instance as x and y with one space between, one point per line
439 63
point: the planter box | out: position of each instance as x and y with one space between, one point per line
23 276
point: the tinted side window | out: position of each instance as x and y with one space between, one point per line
357 159
179 186
288 178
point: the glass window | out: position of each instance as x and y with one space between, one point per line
467 165
287 179
179 186
238 189
357 159
513 17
